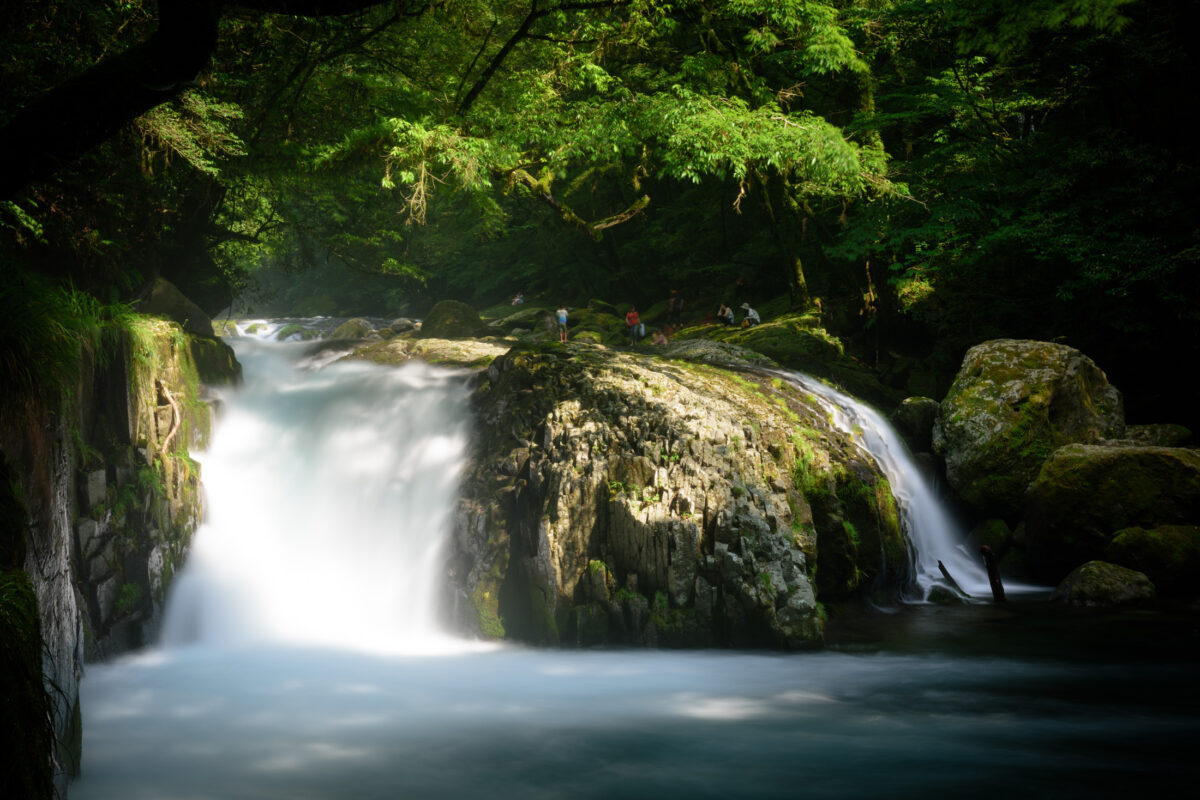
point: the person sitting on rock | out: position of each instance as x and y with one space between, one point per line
658 337
725 315
752 317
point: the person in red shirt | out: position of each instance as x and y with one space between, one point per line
634 323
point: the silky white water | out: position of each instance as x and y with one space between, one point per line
932 534
328 500
302 656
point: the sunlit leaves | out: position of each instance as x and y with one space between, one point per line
196 128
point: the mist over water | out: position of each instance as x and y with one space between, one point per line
302 657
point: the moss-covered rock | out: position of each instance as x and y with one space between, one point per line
797 341
1169 555
1084 494
216 364
450 319
1098 583
356 328
1012 404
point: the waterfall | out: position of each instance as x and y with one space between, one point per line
329 493
932 534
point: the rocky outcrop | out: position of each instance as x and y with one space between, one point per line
463 353
616 498
1084 494
109 498
1098 583
1012 404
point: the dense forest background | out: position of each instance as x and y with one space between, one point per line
929 173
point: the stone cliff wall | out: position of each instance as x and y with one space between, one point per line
106 498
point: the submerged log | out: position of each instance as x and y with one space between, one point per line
993 571
950 579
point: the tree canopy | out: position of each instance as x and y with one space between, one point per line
937 172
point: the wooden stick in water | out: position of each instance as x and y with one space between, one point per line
993 571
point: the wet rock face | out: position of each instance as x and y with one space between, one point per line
1012 404
616 498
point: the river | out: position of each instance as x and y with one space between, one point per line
302 657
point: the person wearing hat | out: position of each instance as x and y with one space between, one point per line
752 317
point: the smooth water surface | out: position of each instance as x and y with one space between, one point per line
278 723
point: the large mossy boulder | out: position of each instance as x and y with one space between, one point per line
1169 555
614 498
450 319
1098 583
356 328
1012 404
1084 494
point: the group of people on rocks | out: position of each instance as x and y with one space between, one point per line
725 316
636 329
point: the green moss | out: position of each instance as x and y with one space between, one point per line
129 598
486 601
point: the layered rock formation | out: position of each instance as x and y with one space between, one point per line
108 499
616 498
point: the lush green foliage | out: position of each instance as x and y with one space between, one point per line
937 171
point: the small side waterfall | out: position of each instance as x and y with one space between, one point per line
374 454
933 535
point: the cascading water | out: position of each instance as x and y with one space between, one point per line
933 536
302 658
328 495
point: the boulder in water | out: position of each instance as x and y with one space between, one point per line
401 325
356 328
1084 494
450 319
1012 404
1098 583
